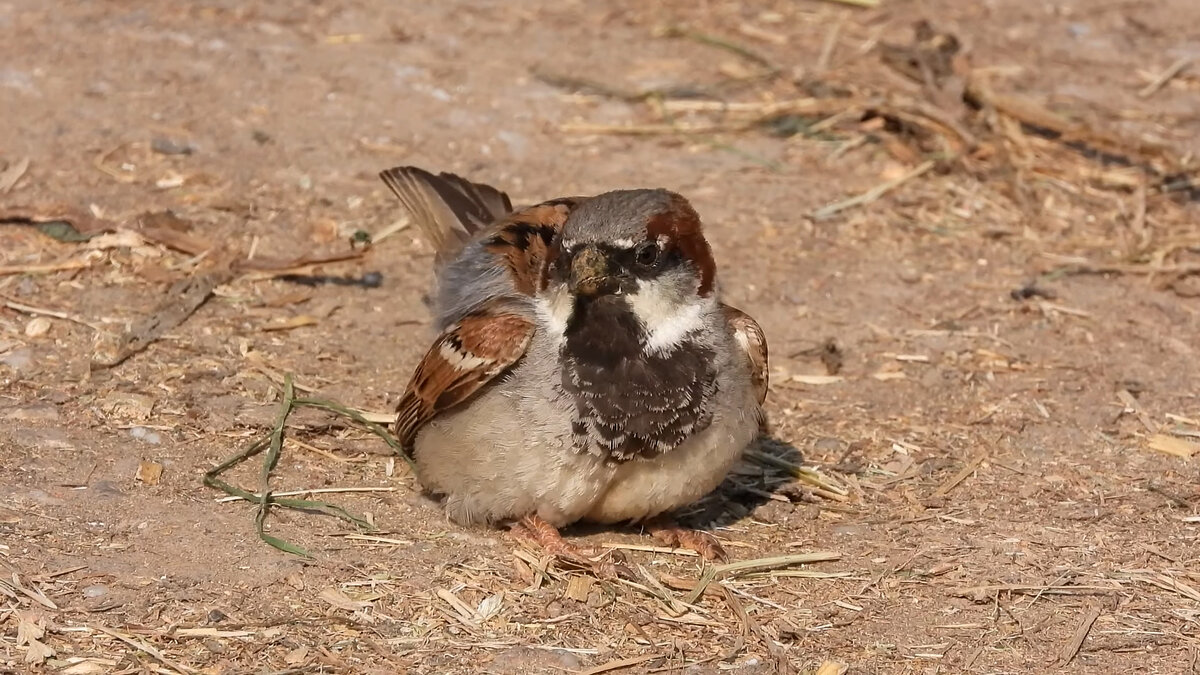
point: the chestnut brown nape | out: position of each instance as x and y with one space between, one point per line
680 225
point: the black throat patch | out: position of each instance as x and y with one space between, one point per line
629 404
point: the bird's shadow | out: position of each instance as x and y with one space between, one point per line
740 494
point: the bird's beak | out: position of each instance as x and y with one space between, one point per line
590 273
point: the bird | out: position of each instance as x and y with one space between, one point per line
584 367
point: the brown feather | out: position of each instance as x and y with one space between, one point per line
523 242
681 227
464 358
447 209
754 341
468 354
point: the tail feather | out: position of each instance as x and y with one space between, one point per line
448 209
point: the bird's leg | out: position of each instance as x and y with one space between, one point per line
669 533
546 536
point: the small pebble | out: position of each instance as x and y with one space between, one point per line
827 444
148 435
170 146
214 646
849 530
96 591
37 327
107 488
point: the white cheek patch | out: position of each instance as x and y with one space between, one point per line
554 308
622 243
668 318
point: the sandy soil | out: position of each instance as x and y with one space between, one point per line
1006 508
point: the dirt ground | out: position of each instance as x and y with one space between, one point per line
997 358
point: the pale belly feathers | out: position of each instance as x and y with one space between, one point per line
508 454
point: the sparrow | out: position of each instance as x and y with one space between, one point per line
584 367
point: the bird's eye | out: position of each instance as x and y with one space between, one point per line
646 255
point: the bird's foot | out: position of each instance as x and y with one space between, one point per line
671 534
546 536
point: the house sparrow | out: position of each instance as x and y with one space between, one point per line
584 367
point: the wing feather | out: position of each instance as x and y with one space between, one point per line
447 209
463 359
753 341
491 337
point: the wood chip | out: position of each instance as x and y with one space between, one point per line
578 587
296 656
149 473
832 668
167 229
1183 420
290 323
182 300
1072 648
817 380
619 664
118 239
1132 404
1173 445
959 477
342 601
31 591
41 311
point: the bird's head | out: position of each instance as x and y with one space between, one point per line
642 251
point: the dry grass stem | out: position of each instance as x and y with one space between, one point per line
871 195
1166 76
826 487
311 491
41 311
44 268
144 647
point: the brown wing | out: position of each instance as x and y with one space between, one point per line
448 209
753 342
523 242
464 358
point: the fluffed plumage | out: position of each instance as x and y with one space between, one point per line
584 367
